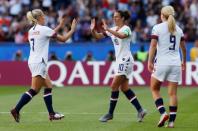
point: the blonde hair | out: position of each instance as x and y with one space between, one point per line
34 15
168 12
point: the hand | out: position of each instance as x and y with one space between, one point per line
104 25
150 67
73 25
62 21
183 65
93 24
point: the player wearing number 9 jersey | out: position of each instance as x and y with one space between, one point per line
39 37
121 37
167 38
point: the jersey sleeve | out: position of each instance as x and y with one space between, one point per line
49 32
127 31
154 33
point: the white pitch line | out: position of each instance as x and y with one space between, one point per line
83 113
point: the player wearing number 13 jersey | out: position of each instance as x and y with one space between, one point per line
166 39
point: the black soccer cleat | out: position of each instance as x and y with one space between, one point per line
15 115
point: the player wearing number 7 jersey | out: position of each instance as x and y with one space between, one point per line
167 38
39 37
121 37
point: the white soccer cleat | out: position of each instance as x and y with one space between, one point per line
164 117
56 116
170 125
141 115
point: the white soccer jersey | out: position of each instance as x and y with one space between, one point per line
122 46
39 37
168 45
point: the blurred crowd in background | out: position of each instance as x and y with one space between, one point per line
144 14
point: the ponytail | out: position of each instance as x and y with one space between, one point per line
168 12
171 24
33 15
30 17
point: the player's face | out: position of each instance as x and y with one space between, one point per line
117 18
161 16
42 19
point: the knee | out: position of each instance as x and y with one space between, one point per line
124 89
172 94
114 88
154 89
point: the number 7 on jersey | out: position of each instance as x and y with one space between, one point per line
32 39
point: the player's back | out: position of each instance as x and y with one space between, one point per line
39 37
168 44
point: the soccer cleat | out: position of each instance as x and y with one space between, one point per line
170 125
141 115
164 117
106 117
15 115
55 116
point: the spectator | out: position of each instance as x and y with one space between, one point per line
144 14
53 56
141 55
68 56
194 52
88 57
110 56
18 56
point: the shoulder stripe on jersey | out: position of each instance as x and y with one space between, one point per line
154 37
182 39
54 35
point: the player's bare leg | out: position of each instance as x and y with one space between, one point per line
155 89
117 81
172 92
133 100
37 83
48 101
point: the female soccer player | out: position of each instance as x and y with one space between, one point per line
121 37
166 39
39 37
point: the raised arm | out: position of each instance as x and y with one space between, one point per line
115 33
60 25
152 50
65 37
183 50
94 32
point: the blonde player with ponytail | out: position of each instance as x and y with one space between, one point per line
167 38
39 36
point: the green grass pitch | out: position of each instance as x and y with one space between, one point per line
83 106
